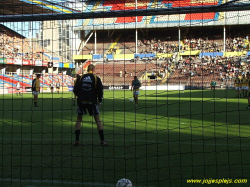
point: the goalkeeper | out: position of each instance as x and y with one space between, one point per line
74 99
89 92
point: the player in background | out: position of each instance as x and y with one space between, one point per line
213 84
57 87
89 92
135 86
18 88
237 85
36 88
248 95
248 80
244 88
77 78
52 87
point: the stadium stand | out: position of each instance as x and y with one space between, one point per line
110 5
16 48
207 42
120 72
204 40
46 80
14 45
200 73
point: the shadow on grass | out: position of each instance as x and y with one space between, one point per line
159 143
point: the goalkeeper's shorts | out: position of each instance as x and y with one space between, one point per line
93 109
35 93
136 93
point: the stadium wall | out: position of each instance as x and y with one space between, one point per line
160 55
34 63
165 87
12 90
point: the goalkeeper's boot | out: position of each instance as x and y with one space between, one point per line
76 143
104 143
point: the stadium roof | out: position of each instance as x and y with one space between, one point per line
111 13
41 10
31 7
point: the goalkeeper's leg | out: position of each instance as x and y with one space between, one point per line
77 129
248 99
100 129
74 100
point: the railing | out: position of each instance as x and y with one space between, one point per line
10 73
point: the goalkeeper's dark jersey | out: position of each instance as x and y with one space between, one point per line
91 89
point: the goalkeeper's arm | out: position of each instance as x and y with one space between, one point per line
99 88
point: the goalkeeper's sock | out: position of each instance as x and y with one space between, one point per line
101 135
77 132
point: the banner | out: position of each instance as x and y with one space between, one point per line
26 62
38 63
34 63
28 89
18 62
13 90
70 88
56 64
23 62
168 87
3 61
3 90
10 61
116 87
45 63
65 89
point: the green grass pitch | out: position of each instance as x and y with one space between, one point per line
168 138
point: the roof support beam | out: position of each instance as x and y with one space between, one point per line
127 13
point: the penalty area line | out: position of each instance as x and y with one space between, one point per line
58 182
130 140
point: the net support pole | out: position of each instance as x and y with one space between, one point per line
136 32
95 42
224 38
136 39
179 38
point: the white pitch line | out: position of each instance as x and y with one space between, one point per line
62 182
144 141
41 111
55 182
